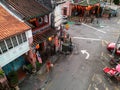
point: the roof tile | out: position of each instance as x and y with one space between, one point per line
9 25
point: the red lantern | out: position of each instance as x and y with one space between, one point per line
37 46
50 38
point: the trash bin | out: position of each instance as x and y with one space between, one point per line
65 47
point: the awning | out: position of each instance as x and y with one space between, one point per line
40 37
84 2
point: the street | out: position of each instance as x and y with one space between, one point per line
82 70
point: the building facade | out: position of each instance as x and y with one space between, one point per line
38 17
15 42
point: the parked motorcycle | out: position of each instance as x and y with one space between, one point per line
114 61
113 72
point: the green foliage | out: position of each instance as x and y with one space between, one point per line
1 73
38 65
116 2
12 78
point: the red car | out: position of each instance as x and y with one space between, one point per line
111 46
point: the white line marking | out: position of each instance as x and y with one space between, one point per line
87 38
93 28
84 51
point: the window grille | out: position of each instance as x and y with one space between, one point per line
3 46
14 40
0 51
9 43
19 38
24 37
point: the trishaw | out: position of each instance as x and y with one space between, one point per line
113 72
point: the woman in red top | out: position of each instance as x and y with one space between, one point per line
49 66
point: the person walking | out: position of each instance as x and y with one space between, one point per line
49 67
109 16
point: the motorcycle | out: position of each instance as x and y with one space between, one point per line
114 61
112 72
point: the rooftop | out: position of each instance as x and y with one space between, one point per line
9 25
28 8
84 2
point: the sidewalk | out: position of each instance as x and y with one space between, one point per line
38 80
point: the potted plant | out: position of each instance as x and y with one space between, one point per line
1 73
13 79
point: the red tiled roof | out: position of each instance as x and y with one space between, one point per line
28 8
9 25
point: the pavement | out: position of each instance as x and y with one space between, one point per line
38 80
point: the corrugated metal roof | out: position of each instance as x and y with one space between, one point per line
91 2
9 25
28 8
40 37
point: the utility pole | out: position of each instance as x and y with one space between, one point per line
117 42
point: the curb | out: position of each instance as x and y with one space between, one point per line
43 68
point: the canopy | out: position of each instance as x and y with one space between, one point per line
85 3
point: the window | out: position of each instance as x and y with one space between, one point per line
65 11
19 38
14 41
9 43
0 51
46 19
24 37
40 20
3 46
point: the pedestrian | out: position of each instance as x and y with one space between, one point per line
49 67
92 18
109 16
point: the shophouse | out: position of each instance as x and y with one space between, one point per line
39 18
15 40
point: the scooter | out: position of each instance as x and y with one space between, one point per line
112 72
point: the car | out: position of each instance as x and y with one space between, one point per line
111 46
109 11
113 12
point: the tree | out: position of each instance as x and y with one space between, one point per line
116 2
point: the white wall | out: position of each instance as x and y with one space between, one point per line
14 53
29 36
58 16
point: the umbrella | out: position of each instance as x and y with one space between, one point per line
118 67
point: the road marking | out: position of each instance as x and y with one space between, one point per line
106 88
93 28
93 77
87 38
104 64
47 87
102 54
89 87
111 56
116 88
84 51
99 79
105 42
95 87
